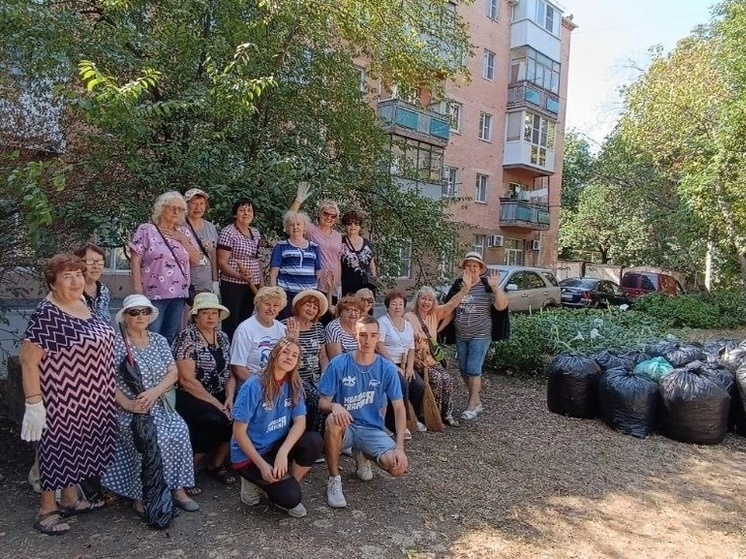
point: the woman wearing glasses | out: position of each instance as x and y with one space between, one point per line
161 254
96 294
358 258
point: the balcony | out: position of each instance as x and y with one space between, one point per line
524 155
408 120
526 32
524 214
525 94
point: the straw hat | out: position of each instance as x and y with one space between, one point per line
323 303
207 300
474 257
136 301
192 192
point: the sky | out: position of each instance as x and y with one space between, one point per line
612 36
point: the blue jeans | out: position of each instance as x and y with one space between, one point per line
471 355
170 312
368 440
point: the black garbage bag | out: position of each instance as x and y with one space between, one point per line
634 356
628 402
732 357
713 348
661 348
727 379
692 407
156 496
682 354
611 360
572 386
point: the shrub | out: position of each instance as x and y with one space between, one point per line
724 309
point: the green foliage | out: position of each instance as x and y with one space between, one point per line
536 339
577 169
723 309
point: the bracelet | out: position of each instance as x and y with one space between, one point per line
32 396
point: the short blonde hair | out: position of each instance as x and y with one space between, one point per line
328 204
167 199
289 216
424 291
276 293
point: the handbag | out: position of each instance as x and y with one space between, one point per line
192 290
436 350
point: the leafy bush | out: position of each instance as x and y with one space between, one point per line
536 339
724 309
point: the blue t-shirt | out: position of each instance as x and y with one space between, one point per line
266 425
361 390
298 266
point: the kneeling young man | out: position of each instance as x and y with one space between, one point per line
353 391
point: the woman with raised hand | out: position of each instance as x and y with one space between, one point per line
271 449
358 258
162 252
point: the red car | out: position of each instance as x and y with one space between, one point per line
635 284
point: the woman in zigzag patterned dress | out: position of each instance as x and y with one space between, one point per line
67 359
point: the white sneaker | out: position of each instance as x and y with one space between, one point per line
364 468
250 493
335 497
421 427
479 409
407 435
298 511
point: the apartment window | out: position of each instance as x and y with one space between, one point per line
479 243
450 184
454 111
513 250
488 66
540 133
480 194
405 261
416 160
493 8
547 16
363 80
485 127
528 64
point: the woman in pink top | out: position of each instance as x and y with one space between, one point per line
325 236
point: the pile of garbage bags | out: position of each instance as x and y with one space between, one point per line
688 392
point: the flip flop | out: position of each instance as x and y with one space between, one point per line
76 509
49 527
193 491
222 475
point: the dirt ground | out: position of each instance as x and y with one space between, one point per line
520 482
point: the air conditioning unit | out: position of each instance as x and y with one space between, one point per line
495 241
535 245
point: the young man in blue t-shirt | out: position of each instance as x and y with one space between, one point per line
354 391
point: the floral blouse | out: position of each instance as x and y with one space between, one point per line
211 362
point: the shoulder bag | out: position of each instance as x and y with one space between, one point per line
192 290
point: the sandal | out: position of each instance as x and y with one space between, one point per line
222 475
193 491
49 527
76 509
139 512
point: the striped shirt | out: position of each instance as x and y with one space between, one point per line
336 334
473 319
297 265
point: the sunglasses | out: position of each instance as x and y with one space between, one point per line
327 214
353 222
147 311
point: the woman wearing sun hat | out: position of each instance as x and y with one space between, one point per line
474 322
204 397
303 326
159 374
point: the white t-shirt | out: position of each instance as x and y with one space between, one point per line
397 342
253 342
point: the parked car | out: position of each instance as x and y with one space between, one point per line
636 283
592 292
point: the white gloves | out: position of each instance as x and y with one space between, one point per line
216 288
34 421
304 191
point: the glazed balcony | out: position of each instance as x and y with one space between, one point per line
527 95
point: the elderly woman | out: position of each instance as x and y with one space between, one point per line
340 332
161 253
368 299
96 294
425 317
271 448
158 374
295 264
328 239
239 266
205 235
256 336
67 363
477 320
204 396
305 328
358 258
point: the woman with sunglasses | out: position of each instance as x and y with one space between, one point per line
158 374
358 259
271 449
96 294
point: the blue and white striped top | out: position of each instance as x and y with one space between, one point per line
298 266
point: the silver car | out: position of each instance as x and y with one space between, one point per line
529 289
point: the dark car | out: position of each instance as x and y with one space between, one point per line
636 283
592 292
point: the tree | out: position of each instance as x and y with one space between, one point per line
577 169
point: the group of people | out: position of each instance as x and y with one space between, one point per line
259 384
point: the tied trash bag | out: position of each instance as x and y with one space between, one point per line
634 356
682 354
628 402
572 386
732 358
156 496
714 348
692 407
654 369
609 360
727 379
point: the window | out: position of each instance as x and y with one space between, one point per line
405 261
480 194
547 17
485 127
540 133
513 249
479 242
420 161
363 80
488 65
529 64
450 184
454 111
493 8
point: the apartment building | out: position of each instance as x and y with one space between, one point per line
495 142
